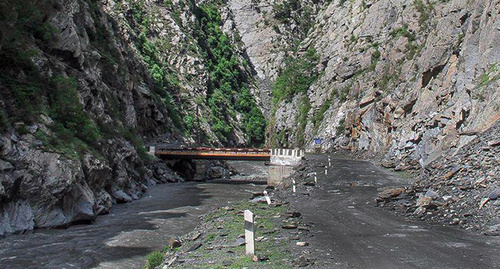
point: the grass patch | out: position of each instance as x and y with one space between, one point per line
223 226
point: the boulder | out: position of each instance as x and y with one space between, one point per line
389 193
494 194
425 202
121 197
432 194
5 166
493 230
216 172
301 261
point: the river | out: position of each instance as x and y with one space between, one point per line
123 238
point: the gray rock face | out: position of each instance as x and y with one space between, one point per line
5 166
260 39
434 77
15 218
493 230
47 190
421 91
43 186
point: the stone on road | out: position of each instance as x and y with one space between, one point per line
347 224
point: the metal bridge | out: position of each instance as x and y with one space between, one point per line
205 153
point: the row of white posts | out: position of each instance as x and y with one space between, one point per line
249 220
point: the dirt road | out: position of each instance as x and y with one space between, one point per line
350 232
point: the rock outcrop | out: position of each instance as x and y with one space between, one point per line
84 84
411 83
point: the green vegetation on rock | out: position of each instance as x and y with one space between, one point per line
67 111
294 12
298 75
296 78
155 259
165 80
304 107
52 99
228 92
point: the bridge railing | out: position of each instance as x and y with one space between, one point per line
275 156
199 149
288 152
155 151
290 157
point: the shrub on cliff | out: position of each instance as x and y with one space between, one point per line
228 92
67 110
299 74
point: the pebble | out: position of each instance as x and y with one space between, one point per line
494 194
302 261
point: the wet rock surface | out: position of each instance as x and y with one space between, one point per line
48 190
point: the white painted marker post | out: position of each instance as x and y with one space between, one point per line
326 170
249 233
293 186
268 200
329 162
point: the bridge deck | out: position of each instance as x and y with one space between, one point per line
214 154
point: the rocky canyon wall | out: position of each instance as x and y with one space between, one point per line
407 80
86 84
413 83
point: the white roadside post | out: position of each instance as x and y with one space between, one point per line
326 170
152 150
329 162
315 178
293 185
249 233
266 195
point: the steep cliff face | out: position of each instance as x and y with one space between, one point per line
404 81
409 78
270 32
84 83
74 101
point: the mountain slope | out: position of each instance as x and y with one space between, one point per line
86 83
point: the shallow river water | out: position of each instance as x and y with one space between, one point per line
124 237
